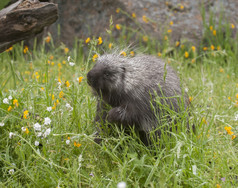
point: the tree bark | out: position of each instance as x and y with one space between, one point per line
24 19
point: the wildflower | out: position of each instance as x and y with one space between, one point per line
63 62
77 144
177 43
118 10
110 45
39 134
67 83
123 53
118 26
232 26
204 121
228 130
9 108
193 48
25 114
51 57
221 70
49 109
47 132
145 38
9 49
69 107
66 50
2 124
193 60
11 171
37 127
186 54
15 102
171 23
37 143
11 134
61 94
218 48
99 40
233 137
80 79
71 64
42 89
133 15
59 65
214 32
68 58
145 19
67 141
223 179
159 54
47 39
237 95
229 98
53 97
25 49
165 37
212 47
204 48
211 28
218 186
91 174
25 129
95 57
5 101
132 53
190 99
169 30
87 40
47 121
121 184
10 97
181 7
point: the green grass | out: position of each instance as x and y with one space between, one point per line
204 159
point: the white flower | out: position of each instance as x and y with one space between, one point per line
10 97
47 121
49 109
68 58
69 107
47 132
6 101
11 171
71 64
121 184
39 134
11 134
37 127
236 116
194 167
186 89
37 143
67 141
2 124
23 129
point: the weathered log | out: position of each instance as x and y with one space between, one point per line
23 20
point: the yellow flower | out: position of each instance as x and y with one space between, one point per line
110 45
145 38
233 137
181 7
87 40
117 10
193 48
53 97
26 114
47 39
123 53
9 109
159 54
51 57
218 48
53 107
66 50
63 62
229 98
171 23
221 70
212 47
145 19
214 32
95 57
99 40
80 79
165 37
61 94
177 43
59 65
182 46
118 26
15 102
186 54
204 121
25 49
52 63
77 144
169 30
237 95
218 186
133 15
67 83
211 28
190 99
232 26
132 53
9 49
27 131
42 89
205 48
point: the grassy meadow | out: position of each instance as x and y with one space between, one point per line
47 116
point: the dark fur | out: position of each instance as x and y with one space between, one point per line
129 86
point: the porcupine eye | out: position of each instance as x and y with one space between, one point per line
106 75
